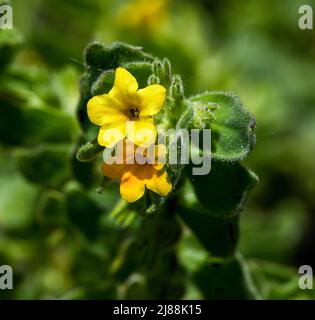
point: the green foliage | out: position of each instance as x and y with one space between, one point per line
219 236
51 212
105 57
18 197
233 127
88 151
211 206
219 197
67 241
29 118
83 212
225 280
47 165
224 191
34 126
140 70
10 41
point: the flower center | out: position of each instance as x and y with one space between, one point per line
134 113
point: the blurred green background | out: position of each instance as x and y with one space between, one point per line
56 231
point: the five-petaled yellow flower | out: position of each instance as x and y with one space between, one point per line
126 111
135 177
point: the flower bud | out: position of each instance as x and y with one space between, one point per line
203 115
153 79
177 88
167 70
158 69
88 151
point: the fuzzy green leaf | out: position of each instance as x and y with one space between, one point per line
233 130
224 191
228 279
140 70
106 57
218 236
21 125
83 212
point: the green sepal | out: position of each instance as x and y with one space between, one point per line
177 88
163 71
89 151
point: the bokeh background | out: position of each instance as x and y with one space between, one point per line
60 236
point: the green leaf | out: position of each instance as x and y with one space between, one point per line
224 191
278 282
218 236
83 212
140 70
52 41
105 57
186 117
17 197
103 83
233 134
210 206
46 165
10 41
21 125
100 58
51 210
228 279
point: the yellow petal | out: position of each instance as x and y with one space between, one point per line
141 132
159 183
158 166
131 187
103 110
114 171
125 88
112 133
152 99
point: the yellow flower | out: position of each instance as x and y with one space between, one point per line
135 177
143 14
126 111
